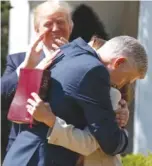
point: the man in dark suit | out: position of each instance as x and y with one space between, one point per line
81 79
56 20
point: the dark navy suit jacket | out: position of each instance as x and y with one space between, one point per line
80 95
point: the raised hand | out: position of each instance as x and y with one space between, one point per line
58 43
47 61
33 54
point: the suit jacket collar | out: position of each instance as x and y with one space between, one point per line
82 44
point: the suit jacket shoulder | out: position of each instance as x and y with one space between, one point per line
16 58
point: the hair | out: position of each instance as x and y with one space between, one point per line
129 47
56 6
86 24
97 42
127 92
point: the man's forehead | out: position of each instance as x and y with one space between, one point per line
53 13
58 14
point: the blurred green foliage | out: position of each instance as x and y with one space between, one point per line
5 6
137 160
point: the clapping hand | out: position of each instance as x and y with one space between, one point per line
34 52
55 47
58 43
47 61
32 58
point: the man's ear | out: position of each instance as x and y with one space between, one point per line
119 61
71 26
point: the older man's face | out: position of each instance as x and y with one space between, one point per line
57 25
123 75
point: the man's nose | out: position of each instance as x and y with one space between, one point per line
55 27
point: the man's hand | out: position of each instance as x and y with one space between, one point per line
40 111
58 43
122 114
34 52
47 61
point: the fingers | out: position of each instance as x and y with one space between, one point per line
31 102
37 45
61 41
36 97
122 120
36 100
118 108
121 123
37 41
46 62
43 64
41 36
122 113
123 103
120 116
55 47
54 54
30 109
64 40
58 43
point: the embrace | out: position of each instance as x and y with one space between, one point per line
82 122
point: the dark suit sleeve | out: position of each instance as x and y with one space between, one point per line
94 98
8 83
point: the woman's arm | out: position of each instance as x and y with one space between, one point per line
80 141
61 133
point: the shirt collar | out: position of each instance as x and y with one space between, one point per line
46 51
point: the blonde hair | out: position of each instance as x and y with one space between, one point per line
55 6
131 48
97 42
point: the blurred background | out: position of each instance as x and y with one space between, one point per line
106 19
